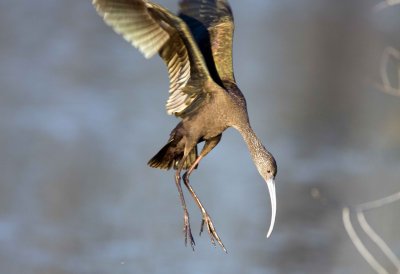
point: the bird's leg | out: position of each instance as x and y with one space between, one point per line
206 217
186 224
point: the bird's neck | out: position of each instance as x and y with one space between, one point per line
256 148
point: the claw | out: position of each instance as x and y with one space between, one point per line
211 231
201 227
187 231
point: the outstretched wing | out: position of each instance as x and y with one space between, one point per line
151 29
211 23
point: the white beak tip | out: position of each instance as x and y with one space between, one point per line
272 194
270 229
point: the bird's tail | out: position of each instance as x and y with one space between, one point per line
169 157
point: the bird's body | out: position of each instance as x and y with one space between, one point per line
196 47
225 110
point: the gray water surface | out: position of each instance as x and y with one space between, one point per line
81 112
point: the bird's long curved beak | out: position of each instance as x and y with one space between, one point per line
272 195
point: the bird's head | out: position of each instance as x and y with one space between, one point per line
266 166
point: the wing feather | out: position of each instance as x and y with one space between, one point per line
211 23
131 20
153 29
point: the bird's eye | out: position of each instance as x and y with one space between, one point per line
269 171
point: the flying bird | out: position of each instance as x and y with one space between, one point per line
196 47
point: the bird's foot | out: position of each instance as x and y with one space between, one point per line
187 231
211 230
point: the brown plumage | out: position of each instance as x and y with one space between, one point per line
196 47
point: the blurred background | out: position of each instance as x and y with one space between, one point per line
81 113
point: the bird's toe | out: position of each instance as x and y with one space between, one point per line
211 231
